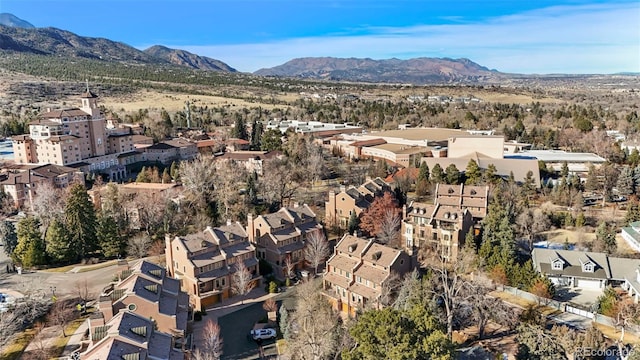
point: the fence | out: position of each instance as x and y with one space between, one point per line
569 308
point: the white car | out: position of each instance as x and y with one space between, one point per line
263 334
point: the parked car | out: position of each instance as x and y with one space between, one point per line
263 334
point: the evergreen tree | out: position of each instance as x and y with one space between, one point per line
498 238
174 170
473 174
592 179
109 239
564 170
490 175
452 175
423 173
625 183
80 220
605 239
437 174
143 176
8 237
633 212
239 130
256 134
30 250
57 243
354 223
271 140
166 178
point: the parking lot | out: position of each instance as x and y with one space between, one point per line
235 329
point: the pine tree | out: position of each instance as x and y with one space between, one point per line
625 183
437 174
57 243
423 174
143 176
240 128
452 175
80 221
354 223
111 243
256 134
8 237
592 179
175 170
166 178
30 250
473 174
490 175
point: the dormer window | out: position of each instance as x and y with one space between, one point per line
588 267
557 265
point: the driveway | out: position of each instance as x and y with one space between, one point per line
235 328
584 297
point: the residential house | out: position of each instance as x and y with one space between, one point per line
126 336
588 270
235 144
631 234
473 198
168 151
206 262
251 160
280 237
147 290
359 271
437 228
340 206
22 181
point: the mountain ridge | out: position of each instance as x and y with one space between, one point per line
420 70
8 19
57 42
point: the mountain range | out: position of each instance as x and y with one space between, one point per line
17 35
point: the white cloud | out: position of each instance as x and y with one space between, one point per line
602 38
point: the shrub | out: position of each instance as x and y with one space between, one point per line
273 287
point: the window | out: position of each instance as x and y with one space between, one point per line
132 307
557 265
588 268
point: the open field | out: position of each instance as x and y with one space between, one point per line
154 99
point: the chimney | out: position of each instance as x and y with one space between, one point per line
343 188
296 205
106 307
228 222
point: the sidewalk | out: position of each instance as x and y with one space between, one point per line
75 340
233 304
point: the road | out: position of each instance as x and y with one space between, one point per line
63 284
236 326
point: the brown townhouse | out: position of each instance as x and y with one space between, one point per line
280 237
443 226
341 205
357 273
147 290
206 262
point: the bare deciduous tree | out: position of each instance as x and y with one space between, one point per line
389 289
82 289
198 178
241 282
389 227
316 324
450 284
289 267
280 181
60 314
270 305
485 308
316 249
230 178
138 245
212 343
48 203
531 222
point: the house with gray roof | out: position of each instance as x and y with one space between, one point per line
280 237
129 336
588 270
205 262
631 234
147 290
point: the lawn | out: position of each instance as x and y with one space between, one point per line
15 350
58 345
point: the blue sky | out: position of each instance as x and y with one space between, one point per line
564 36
